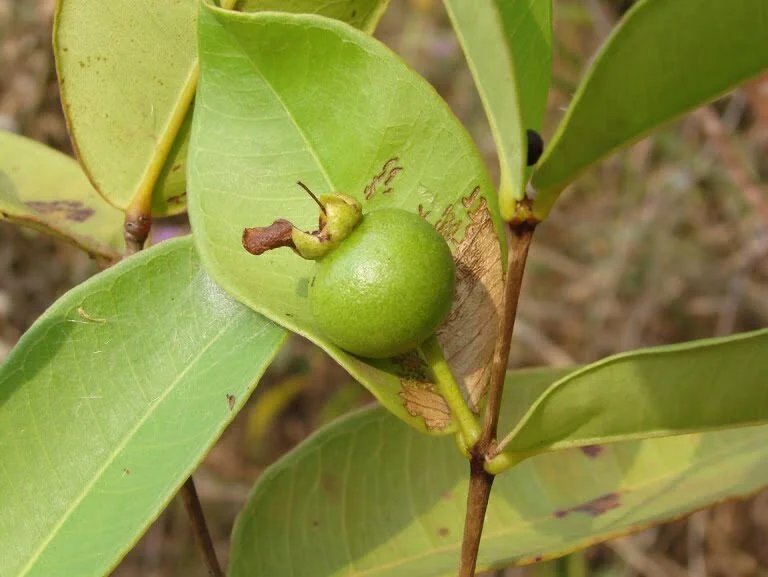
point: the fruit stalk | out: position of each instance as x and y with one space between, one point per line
469 428
481 481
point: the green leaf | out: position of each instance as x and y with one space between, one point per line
508 46
661 391
368 496
127 72
284 98
665 58
46 190
362 14
109 402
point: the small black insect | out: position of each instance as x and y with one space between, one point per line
535 146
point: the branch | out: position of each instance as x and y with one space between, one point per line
481 481
136 230
200 528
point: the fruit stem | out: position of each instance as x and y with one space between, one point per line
312 194
469 427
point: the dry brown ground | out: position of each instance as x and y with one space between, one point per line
657 245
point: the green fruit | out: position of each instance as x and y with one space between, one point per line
386 287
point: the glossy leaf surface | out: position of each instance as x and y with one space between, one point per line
660 391
665 58
109 402
284 98
508 46
368 496
46 190
127 71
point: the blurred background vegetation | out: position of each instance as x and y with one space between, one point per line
662 243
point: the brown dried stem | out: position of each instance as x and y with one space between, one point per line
136 230
200 528
480 482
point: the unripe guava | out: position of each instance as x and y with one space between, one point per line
386 287
383 282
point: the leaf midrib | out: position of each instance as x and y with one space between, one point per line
310 146
151 410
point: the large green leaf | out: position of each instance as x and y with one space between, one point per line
285 98
368 496
665 58
508 46
46 190
661 391
128 71
109 402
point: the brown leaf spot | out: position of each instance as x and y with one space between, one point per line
593 508
260 239
423 402
387 174
178 199
537 559
468 335
449 224
443 532
315 523
330 484
231 401
126 472
592 451
67 209
418 394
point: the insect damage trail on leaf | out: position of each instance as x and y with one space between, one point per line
383 180
419 395
468 334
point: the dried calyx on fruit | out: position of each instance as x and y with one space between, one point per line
384 281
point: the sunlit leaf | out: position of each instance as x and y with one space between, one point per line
109 402
127 72
46 190
674 389
508 46
665 58
284 98
369 496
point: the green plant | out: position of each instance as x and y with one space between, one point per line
97 406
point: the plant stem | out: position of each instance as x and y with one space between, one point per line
200 528
480 482
432 354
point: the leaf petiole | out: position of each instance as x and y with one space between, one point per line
469 427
